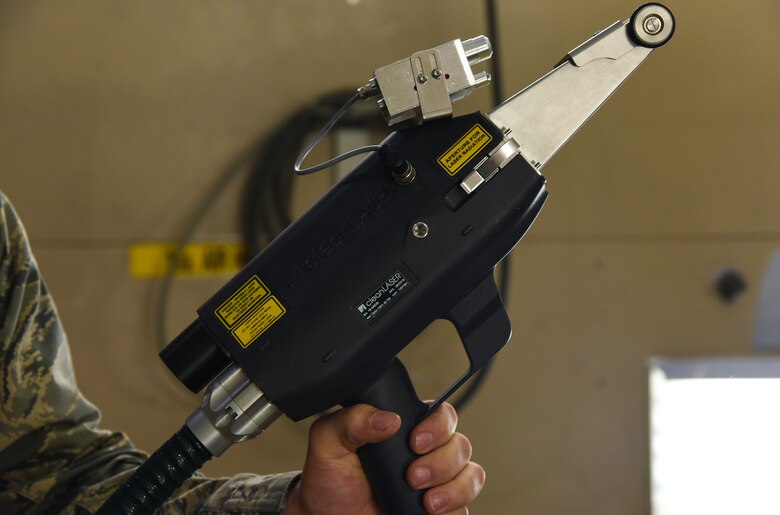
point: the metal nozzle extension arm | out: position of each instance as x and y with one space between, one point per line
543 116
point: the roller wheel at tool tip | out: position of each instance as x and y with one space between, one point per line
652 25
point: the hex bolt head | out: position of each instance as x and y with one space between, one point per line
422 78
436 73
420 230
653 24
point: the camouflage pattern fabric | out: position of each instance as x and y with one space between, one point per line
53 456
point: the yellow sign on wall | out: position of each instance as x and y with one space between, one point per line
194 260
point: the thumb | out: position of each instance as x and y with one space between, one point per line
341 433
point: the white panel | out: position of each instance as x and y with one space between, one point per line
714 438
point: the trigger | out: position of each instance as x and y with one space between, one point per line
484 328
482 322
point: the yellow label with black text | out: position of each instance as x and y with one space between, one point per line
154 259
238 304
464 149
258 321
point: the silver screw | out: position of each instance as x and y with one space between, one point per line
653 24
436 73
422 78
420 230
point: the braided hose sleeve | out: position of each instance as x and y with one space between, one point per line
154 481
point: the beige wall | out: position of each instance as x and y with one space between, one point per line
115 117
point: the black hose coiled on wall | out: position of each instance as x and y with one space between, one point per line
154 481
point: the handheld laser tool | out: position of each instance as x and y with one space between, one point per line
410 236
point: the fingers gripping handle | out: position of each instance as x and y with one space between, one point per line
484 327
386 463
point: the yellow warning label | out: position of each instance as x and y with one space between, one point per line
464 149
233 309
194 260
258 321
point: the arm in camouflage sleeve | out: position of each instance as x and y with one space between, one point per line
53 458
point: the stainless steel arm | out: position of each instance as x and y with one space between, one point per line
543 116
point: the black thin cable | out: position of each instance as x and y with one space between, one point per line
268 192
492 23
476 382
498 97
185 236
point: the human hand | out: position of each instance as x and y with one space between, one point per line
333 482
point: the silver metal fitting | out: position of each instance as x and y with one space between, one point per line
407 91
420 230
371 89
405 175
234 409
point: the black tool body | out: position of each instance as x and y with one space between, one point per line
318 317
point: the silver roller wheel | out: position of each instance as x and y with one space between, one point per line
652 25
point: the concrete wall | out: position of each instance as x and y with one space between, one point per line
116 117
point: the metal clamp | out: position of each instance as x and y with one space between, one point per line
490 165
432 93
424 85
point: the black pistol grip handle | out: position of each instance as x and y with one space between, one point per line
386 463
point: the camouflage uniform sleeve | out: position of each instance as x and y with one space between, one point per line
53 456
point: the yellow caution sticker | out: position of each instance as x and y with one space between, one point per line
464 149
258 321
243 300
194 260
